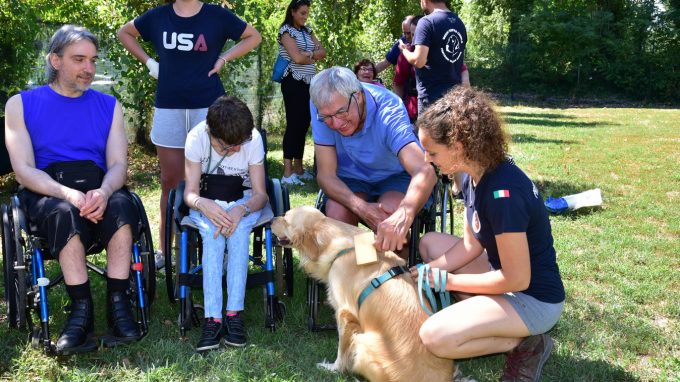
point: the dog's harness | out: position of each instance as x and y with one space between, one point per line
439 277
376 282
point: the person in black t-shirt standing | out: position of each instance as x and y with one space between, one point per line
188 36
439 40
504 267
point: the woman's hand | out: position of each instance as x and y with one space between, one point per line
218 66
235 215
218 216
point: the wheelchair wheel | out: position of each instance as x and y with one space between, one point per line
13 271
8 255
146 252
446 208
168 246
194 316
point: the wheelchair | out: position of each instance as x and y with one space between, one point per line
26 282
183 264
437 214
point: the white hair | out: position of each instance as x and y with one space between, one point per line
330 82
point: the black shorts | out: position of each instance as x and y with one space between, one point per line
59 220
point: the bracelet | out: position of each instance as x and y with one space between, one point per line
223 59
196 207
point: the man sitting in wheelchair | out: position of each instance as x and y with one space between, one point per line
369 162
68 148
225 188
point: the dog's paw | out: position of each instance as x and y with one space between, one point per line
327 366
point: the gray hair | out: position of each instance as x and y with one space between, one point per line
329 82
61 39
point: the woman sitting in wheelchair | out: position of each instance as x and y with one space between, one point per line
225 188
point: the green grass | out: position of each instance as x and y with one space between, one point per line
620 264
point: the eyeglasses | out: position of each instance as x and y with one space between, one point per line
366 69
341 113
226 148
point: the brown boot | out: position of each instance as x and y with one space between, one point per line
524 363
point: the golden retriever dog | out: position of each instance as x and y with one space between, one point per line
380 340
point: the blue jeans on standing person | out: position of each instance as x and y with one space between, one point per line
238 250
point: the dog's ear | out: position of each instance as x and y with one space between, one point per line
312 239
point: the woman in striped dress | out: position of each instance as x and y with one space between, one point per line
299 45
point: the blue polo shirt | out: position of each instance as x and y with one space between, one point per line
506 200
371 154
188 48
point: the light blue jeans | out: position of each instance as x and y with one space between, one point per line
238 250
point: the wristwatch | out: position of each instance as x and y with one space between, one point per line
246 209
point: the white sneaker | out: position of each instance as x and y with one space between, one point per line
159 259
292 180
305 176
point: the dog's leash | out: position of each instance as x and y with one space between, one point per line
376 282
439 277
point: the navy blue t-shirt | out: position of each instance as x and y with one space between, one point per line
506 200
445 35
188 48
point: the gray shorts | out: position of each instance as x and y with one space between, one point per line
537 315
170 126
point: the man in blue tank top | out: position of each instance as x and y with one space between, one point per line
47 129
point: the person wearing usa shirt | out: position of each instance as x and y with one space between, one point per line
188 37
504 268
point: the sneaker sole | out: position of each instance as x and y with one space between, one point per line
208 347
234 344
549 345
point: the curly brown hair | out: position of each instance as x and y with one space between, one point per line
467 116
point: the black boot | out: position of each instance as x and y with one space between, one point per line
122 324
77 334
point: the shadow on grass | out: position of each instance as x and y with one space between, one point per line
585 370
530 138
12 344
536 115
555 123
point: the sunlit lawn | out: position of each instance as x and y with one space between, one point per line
620 264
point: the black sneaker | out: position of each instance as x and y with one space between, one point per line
211 336
235 331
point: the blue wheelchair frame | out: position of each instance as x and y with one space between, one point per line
277 267
26 284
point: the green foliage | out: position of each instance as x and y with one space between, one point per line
17 49
576 47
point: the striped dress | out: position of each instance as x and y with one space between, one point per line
303 39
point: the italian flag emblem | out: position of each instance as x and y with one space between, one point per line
501 194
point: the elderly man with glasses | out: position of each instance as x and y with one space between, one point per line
370 163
